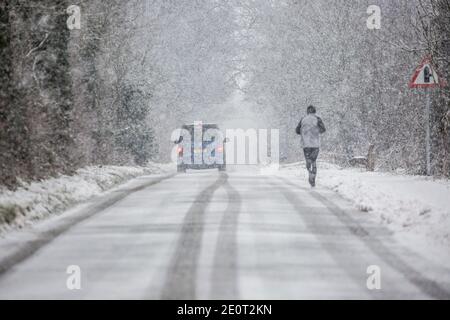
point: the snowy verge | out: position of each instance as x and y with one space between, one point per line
37 200
415 208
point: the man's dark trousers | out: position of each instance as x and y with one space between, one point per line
311 155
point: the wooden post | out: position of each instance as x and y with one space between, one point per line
371 158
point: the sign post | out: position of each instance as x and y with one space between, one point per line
428 130
426 77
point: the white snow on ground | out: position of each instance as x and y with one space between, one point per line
40 199
416 208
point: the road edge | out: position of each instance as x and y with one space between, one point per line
35 239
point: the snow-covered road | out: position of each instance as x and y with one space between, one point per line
211 235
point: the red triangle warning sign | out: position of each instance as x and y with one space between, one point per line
425 76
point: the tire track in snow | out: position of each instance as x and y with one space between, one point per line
224 283
425 285
316 221
180 282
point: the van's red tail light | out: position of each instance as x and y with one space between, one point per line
220 149
180 150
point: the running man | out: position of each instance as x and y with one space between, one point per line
310 128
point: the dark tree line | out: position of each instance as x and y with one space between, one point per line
37 104
51 115
111 92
